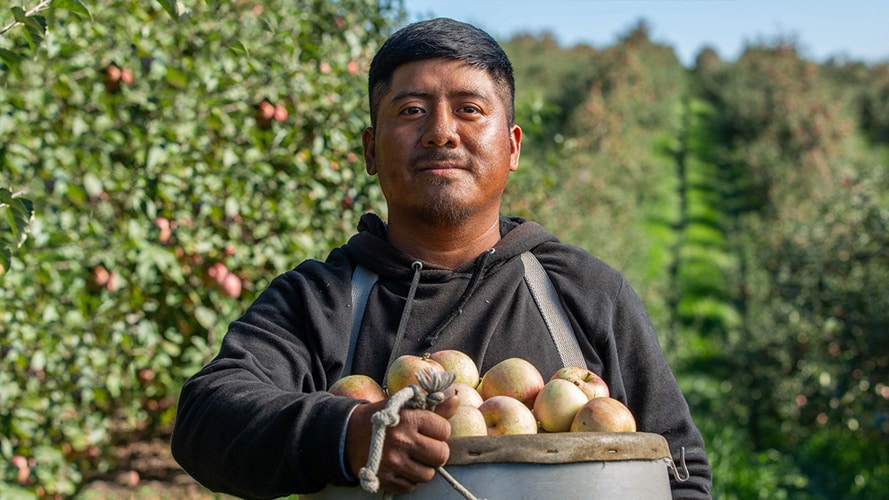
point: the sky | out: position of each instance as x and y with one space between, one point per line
857 30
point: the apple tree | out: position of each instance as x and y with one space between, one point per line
176 163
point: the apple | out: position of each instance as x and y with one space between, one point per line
264 114
507 415
280 113
603 415
460 364
590 383
514 377
358 386
557 403
468 421
403 371
467 394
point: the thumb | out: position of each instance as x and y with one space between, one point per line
448 407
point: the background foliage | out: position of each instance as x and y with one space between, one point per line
177 160
175 168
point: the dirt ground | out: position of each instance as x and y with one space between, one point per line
146 471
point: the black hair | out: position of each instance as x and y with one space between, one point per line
440 38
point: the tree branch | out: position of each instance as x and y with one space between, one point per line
43 5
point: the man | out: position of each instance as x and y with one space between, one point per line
257 421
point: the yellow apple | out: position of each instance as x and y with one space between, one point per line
403 371
556 405
513 377
468 421
603 415
359 387
459 363
506 415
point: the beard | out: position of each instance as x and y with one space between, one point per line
444 209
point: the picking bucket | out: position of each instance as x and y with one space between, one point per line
569 465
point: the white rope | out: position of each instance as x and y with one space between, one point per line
427 395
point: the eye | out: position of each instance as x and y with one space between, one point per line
411 110
469 109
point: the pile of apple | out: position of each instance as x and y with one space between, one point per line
511 398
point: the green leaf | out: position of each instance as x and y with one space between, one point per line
75 6
10 58
5 258
19 212
176 78
174 8
35 26
92 184
239 48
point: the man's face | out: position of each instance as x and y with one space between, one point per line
443 146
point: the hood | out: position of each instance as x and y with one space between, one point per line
371 248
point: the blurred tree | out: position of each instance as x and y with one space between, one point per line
175 168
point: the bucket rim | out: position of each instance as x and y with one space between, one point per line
557 448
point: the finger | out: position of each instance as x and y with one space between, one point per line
420 437
427 423
396 484
430 452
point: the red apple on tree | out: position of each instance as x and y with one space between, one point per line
590 383
514 377
358 386
403 371
603 415
507 415
460 364
557 403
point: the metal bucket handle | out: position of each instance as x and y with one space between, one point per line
682 476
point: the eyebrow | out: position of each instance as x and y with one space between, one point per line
406 94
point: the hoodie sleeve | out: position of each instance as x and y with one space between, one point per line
257 421
652 394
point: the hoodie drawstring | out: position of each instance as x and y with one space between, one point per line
415 283
402 325
467 294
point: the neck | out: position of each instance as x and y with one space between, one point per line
449 246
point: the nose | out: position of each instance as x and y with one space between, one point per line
440 129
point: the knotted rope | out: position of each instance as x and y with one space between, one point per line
427 395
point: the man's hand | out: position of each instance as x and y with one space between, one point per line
413 449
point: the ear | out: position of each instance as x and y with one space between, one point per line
370 150
515 147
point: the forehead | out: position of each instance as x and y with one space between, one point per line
440 76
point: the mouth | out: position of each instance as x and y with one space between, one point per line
437 161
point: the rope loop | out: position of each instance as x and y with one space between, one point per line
427 395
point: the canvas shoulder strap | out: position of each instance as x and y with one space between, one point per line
551 309
363 280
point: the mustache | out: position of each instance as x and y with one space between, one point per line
439 156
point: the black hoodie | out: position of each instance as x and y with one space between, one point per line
256 421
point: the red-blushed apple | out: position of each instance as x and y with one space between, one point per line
468 421
403 371
603 415
24 471
280 113
507 415
589 382
557 403
513 377
460 364
468 395
358 386
264 114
